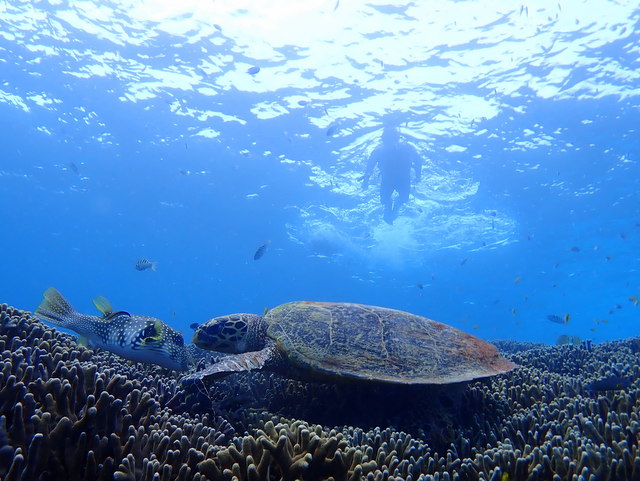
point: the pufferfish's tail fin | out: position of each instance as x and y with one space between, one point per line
56 309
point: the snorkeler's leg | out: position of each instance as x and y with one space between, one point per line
386 190
402 198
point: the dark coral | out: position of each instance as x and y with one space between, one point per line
69 413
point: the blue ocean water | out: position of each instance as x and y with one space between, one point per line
139 129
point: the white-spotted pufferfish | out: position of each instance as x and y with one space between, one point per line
138 338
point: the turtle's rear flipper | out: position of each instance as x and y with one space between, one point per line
247 361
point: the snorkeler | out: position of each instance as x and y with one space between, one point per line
394 159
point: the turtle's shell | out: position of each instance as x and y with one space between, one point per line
340 340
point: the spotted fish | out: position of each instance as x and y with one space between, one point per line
138 338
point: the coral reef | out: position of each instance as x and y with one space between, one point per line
70 413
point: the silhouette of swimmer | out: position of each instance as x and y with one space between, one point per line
395 160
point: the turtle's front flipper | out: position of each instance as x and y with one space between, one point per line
247 361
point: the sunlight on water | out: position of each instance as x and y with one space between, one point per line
193 132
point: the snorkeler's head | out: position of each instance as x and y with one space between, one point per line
390 135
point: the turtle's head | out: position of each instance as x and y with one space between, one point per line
235 333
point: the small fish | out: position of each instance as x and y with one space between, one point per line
74 167
517 280
137 338
514 312
194 325
302 103
635 300
331 131
562 340
420 285
464 261
475 326
559 320
575 249
261 250
611 383
253 70
144 264
608 258
623 236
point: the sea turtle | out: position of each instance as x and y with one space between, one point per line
332 341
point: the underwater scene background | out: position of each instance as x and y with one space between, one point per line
190 159
191 133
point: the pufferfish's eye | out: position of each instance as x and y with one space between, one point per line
148 331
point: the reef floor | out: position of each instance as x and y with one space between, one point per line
71 413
